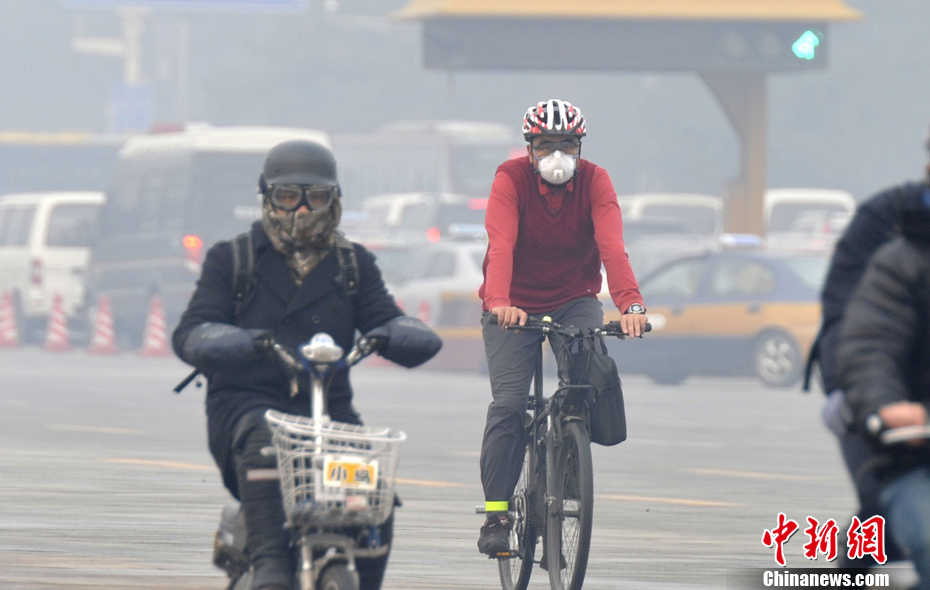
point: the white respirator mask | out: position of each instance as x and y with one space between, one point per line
557 168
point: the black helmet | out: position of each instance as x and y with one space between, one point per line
299 161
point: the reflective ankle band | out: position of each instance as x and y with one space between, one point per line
496 506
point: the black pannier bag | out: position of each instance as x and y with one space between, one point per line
590 365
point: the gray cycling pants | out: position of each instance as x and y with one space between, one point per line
512 357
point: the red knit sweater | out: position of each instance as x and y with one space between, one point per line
546 244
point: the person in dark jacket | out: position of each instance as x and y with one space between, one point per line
297 288
876 221
884 369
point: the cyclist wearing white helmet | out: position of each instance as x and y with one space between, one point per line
552 220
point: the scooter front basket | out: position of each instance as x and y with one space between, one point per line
333 473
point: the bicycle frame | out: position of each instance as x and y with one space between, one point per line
546 499
545 430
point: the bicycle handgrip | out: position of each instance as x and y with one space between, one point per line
904 434
615 326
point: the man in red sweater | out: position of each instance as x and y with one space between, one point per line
552 219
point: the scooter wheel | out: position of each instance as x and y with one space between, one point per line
338 577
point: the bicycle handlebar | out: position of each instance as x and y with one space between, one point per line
875 427
902 434
609 329
363 347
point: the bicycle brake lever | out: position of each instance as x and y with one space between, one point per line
285 355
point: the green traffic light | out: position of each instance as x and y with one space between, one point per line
806 45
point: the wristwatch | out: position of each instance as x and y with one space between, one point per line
635 308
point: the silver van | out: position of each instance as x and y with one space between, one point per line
658 227
696 213
45 241
784 206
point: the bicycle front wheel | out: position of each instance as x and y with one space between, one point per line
338 577
568 533
515 570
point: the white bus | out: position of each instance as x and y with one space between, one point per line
458 157
172 196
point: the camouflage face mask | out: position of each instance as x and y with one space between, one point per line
304 238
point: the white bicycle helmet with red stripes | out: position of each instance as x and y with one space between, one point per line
553 117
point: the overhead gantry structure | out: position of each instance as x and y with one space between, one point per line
732 45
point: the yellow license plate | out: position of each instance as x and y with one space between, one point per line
350 472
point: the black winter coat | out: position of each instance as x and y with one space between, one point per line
876 221
294 314
884 343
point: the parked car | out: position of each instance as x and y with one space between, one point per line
439 285
437 275
45 241
172 196
423 217
391 255
730 312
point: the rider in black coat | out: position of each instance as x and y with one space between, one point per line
293 314
877 221
884 368
299 285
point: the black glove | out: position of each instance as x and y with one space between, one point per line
410 342
212 346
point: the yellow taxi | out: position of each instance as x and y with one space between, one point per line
728 312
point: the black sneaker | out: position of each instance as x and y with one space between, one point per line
495 534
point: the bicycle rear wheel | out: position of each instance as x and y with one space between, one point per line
568 531
515 570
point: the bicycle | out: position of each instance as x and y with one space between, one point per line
337 481
554 497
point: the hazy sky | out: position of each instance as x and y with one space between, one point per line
857 125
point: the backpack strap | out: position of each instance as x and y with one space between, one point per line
243 263
348 265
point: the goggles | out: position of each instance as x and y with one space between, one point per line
290 197
569 146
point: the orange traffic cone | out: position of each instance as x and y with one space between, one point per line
155 340
56 334
9 332
104 339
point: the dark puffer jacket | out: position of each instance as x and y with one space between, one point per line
876 221
884 344
293 314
